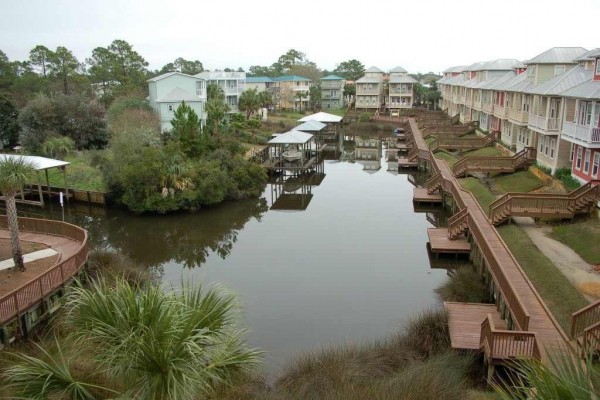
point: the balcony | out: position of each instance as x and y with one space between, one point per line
518 116
488 107
300 88
581 134
500 111
332 85
477 105
367 92
233 90
548 125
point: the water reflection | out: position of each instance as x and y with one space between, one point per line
367 152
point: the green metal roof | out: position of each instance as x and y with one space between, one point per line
332 78
290 78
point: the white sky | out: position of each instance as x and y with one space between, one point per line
419 35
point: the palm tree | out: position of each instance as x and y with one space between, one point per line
13 174
148 343
565 377
300 95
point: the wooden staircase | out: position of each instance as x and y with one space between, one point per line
585 329
458 224
521 160
461 143
544 204
434 183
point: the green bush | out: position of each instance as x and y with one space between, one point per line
465 285
564 175
364 117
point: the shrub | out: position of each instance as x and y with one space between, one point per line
123 104
113 265
428 333
465 285
58 146
364 117
564 175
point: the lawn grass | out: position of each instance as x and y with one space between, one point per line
336 111
80 174
522 182
573 235
449 158
490 151
561 297
481 193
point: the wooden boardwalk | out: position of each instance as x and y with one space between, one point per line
70 241
528 310
439 242
464 323
65 247
420 196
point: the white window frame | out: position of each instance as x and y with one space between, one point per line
552 147
559 69
597 66
579 158
170 106
586 161
571 152
596 164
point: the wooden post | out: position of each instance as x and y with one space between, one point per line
48 183
39 183
64 171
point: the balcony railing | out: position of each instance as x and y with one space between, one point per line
374 91
337 86
543 123
477 105
488 107
518 116
587 134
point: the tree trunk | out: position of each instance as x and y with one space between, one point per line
13 227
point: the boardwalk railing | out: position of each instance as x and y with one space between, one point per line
544 204
461 143
458 223
468 164
581 319
590 340
21 299
502 344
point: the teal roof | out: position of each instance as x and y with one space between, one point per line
290 78
258 79
332 78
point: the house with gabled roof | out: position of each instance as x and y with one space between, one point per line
168 91
332 91
400 89
231 82
292 92
369 90
581 120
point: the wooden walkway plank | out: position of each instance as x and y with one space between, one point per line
541 321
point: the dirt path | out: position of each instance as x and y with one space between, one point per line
573 267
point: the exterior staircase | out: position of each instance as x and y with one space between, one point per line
521 160
545 204
585 329
458 224
460 143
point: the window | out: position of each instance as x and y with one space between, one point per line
546 145
586 164
595 165
542 140
552 146
597 66
531 71
579 153
559 69
584 113
571 152
170 107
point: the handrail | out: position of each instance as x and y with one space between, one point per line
458 223
503 344
583 318
20 299
490 163
545 203
591 338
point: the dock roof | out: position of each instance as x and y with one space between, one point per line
291 137
322 117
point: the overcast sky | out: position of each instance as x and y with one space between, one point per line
419 35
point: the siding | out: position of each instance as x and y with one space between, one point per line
544 72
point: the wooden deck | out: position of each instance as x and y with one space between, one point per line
421 196
464 323
276 165
72 244
440 243
404 162
527 309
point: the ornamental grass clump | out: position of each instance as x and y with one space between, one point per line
464 285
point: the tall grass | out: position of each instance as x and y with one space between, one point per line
465 285
112 265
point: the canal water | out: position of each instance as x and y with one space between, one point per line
333 258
